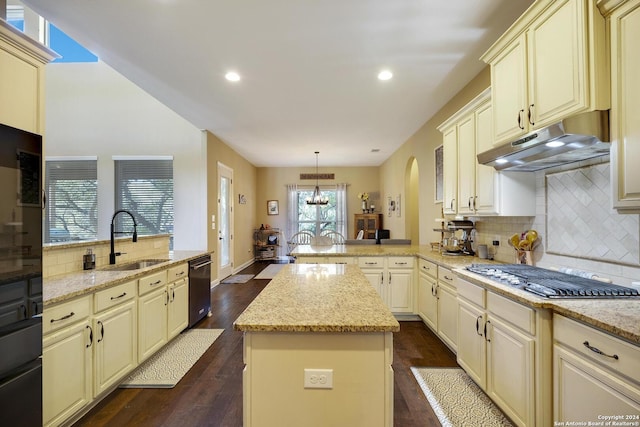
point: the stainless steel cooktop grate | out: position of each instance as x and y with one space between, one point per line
551 284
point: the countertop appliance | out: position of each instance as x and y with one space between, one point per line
20 277
199 288
456 238
551 284
576 138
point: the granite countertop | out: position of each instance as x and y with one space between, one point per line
318 298
58 289
620 317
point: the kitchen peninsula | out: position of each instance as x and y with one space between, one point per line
323 336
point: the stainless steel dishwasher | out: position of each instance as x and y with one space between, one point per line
199 288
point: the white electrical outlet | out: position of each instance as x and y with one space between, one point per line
318 378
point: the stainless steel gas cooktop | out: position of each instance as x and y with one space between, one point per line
549 283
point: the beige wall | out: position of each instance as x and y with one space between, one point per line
421 145
272 182
244 182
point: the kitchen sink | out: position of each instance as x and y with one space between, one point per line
135 265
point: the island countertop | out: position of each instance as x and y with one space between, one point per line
318 298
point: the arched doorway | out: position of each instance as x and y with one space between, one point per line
412 202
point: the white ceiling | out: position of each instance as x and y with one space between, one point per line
309 67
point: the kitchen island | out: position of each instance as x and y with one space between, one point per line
323 336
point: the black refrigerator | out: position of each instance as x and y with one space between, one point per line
21 204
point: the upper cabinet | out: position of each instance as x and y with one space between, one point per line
22 63
473 189
549 65
624 25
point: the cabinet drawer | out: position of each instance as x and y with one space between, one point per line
371 262
574 335
446 275
401 262
65 314
114 295
339 260
470 292
428 267
152 282
515 313
177 272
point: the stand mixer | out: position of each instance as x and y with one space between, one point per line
454 245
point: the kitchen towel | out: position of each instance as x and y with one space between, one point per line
456 399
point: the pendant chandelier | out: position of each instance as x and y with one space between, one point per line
317 198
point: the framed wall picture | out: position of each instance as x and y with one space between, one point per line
439 168
272 207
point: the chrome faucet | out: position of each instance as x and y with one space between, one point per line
114 254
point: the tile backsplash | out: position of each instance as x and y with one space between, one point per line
66 258
573 202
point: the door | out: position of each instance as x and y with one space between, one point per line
225 227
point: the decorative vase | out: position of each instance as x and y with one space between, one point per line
364 206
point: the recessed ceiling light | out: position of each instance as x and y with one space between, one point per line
232 76
385 75
501 161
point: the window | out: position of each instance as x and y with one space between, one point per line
316 218
144 187
68 49
71 186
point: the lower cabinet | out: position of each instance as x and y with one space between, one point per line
67 360
504 347
178 308
595 374
437 301
428 293
393 279
447 308
92 342
115 337
163 309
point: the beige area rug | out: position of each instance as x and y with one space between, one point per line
456 400
238 278
165 368
270 272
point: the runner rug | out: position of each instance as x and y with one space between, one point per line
238 278
165 368
456 399
270 272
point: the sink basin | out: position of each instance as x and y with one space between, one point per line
135 265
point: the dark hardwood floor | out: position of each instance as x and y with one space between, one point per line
210 394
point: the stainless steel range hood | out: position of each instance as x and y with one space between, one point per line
576 138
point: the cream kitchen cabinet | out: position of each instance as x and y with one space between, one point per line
67 359
450 169
503 346
437 301
428 293
152 314
549 65
22 65
177 308
595 374
115 335
163 309
447 308
393 278
625 91
474 189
